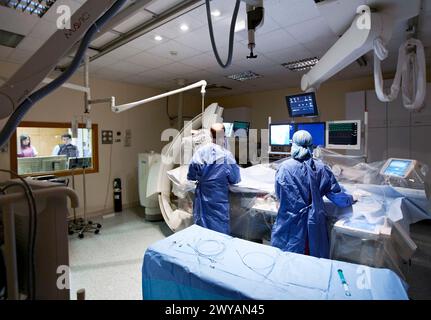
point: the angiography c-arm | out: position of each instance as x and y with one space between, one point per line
16 97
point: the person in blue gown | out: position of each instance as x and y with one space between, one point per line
214 169
300 184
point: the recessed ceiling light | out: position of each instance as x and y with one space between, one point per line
158 38
216 13
240 25
244 76
184 27
301 65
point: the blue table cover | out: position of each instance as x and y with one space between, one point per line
200 264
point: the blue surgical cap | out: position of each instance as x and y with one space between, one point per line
302 145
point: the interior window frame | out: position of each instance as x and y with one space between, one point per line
66 125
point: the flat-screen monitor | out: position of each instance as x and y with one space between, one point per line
302 105
228 129
317 131
240 128
400 168
79 163
343 135
29 165
54 163
281 134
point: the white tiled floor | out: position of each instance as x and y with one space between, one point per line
108 265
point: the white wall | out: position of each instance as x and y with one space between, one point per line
146 122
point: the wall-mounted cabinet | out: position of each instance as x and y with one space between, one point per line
393 131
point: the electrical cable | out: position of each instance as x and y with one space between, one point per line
32 231
231 34
29 102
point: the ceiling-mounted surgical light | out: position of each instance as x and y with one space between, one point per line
301 65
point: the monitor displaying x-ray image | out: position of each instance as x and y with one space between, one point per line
228 129
241 128
281 134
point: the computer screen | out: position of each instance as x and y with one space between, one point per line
79 163
343 135
281 134
240 128
302 105
317 131
54 163
398 167
228 128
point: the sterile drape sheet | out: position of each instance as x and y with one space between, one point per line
201 264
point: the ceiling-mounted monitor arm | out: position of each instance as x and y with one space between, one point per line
357 41
124 107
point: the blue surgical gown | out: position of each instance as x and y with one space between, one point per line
214 169
300 187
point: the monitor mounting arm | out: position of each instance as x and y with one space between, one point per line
357 41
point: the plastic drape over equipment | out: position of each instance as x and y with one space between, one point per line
207 265
385 209
410 76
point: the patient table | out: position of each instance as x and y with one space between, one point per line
197 263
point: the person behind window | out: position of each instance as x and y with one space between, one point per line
26 149
66 148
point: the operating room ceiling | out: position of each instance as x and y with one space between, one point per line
293 29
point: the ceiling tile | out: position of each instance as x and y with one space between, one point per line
149 60
178 68
311 31
288 13
124 52
128 67
133 21
198 39
164 50
291 54
157 75
201 61
102 62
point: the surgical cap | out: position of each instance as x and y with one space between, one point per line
302 145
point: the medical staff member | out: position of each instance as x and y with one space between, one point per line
300 184
214 169
66 148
